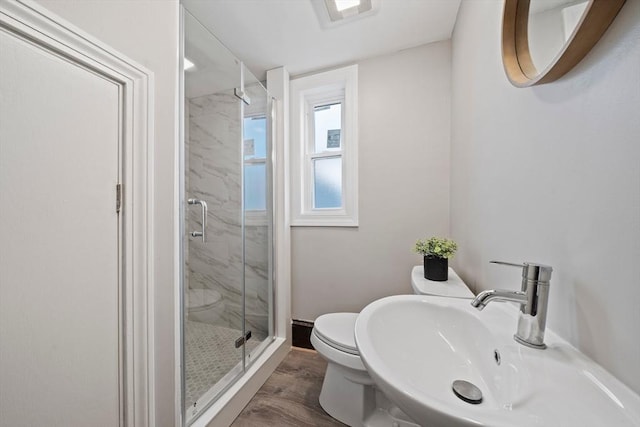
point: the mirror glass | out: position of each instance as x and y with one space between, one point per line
551 24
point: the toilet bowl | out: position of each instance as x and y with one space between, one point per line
347 385
204 305
348 393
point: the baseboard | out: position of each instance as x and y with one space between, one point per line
301 333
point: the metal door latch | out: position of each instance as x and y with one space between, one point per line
240 341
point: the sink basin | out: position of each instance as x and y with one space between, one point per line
415 346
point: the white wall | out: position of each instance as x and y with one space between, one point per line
147 32
404 112
552 174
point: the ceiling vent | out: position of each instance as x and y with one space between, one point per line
344 9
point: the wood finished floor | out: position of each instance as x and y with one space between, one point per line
290 395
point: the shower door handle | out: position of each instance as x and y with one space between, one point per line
203 205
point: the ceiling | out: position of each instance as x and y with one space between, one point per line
297 34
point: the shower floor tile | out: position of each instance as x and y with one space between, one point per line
209 354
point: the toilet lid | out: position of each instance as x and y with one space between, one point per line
202 297
336 330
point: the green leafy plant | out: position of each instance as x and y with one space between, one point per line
436 246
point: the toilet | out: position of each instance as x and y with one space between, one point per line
348 392
204 305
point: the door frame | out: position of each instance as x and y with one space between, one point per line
31 22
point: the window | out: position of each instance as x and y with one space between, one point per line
326 156
325 149
255 167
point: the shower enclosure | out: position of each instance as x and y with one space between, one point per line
226 201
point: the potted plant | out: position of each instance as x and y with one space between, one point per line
436 252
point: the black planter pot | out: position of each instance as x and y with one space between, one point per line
436 269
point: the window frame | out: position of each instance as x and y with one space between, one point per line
331 87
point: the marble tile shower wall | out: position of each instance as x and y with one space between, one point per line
214 175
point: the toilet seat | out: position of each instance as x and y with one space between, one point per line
332 336
336 330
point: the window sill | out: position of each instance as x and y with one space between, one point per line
324 222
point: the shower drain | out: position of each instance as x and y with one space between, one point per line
467 391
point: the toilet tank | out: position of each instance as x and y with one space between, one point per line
454 287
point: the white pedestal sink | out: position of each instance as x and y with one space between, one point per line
414 347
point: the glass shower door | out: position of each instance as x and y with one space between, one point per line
213 247
227 207
258 210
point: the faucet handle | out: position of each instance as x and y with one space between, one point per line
531 270
511 264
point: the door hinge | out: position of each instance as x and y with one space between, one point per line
242 96
243 339
118 197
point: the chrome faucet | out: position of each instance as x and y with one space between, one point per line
533 298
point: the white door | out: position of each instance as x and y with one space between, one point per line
60 298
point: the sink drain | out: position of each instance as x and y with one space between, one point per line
467 391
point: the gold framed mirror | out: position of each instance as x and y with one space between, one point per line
543 39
